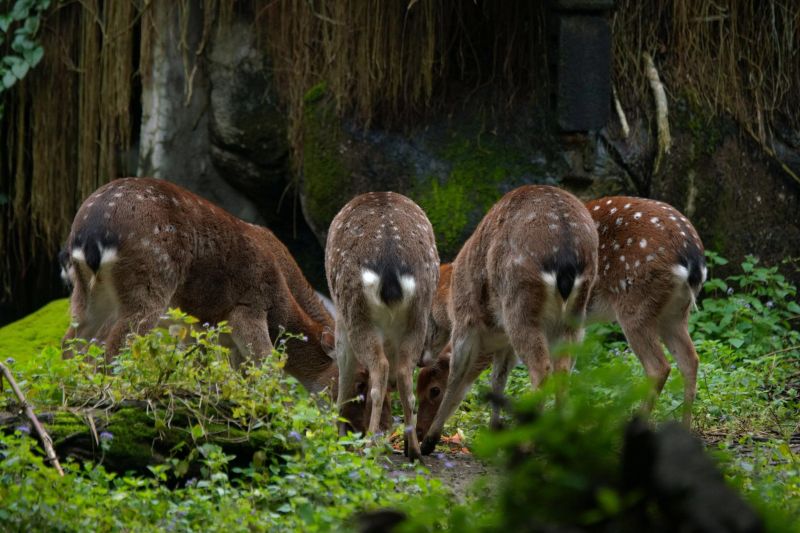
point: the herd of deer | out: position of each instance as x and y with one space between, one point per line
539 265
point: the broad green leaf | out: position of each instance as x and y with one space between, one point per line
9 79
20 70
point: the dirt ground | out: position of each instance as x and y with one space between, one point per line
456 470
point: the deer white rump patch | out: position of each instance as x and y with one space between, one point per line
107 255
680 272
408 285
549 278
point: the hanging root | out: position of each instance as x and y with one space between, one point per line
664 139
623 121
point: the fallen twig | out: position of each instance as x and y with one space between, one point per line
46 440
664 138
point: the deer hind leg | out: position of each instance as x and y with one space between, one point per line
503 363
464 370
347 363
250 334
676 336
643 339
368 348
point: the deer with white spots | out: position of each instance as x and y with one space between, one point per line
520 283
139 245
651 268
382 268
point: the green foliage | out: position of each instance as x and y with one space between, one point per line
302 476
19 27
747 408
559 465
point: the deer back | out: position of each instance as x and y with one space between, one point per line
649 253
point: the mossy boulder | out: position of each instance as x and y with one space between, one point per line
454 166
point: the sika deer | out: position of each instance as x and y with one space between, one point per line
520 283
382 268
139 246
651 269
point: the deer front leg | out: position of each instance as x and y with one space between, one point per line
250 334
464 370
503 363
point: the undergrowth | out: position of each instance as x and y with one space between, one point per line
305 477
558 464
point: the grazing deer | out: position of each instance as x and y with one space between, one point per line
382 268
650 271
520 283
651 268
138 246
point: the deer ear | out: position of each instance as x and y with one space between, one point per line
327 340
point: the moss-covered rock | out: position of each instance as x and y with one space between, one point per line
132 437
455 168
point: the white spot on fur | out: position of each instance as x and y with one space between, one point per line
654 220
596 208
637 215
613 210
649 257
622 258
629 241
77 255
622 284
643 243
552 226
626 206
619 221
608 202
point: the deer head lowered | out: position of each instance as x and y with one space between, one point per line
651 267
520 283
139 245
382 268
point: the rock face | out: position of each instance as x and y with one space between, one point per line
228 142
174 140
215 126
247 125
455 168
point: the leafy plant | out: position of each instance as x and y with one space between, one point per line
19 27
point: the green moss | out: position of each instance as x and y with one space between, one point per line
26 337
315 93
324 174
481 171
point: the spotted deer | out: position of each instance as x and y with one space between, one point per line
520 283
651 267
139 245
382 268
